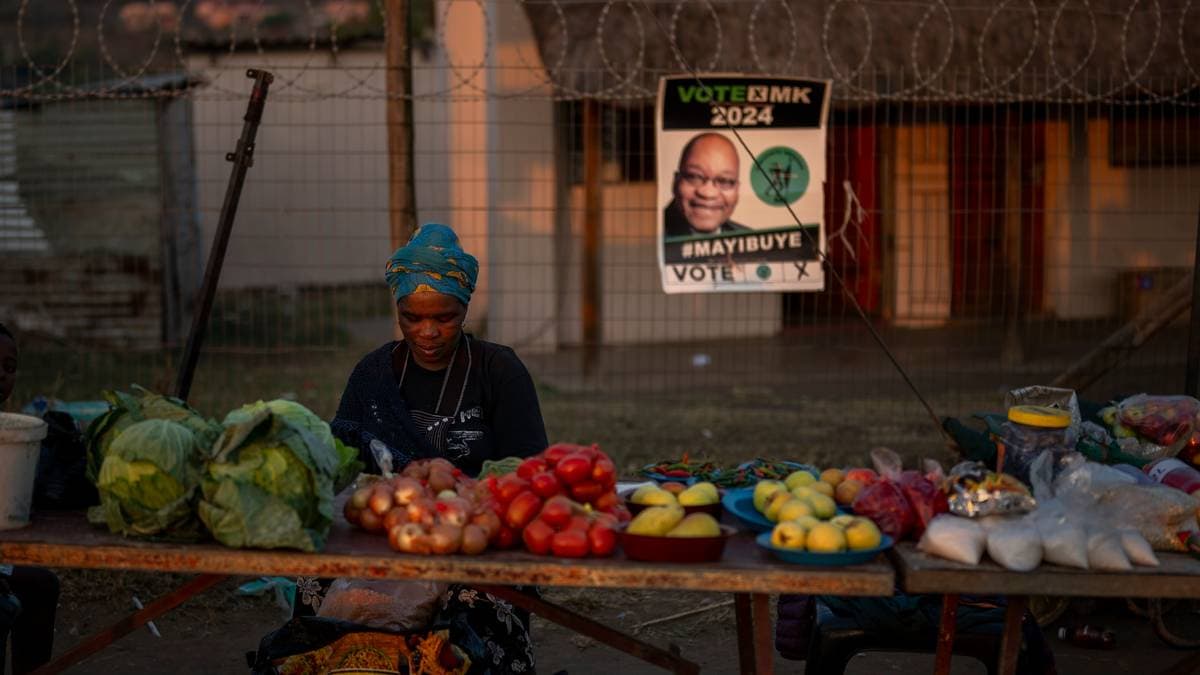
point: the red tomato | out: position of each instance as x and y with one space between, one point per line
570 544
557 512
606 501
602 539
556 452
522 510
603 471
545 485
587 492
506 537
531 467
509 487
579 522
574 468
623 515
537 536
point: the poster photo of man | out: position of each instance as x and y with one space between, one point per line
730 205
705 189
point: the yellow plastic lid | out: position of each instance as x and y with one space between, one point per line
1039 416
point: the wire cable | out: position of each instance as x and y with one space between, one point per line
841 282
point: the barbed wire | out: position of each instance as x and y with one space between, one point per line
625 59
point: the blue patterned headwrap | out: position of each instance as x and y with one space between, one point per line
432 261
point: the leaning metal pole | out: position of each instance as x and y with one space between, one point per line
242 158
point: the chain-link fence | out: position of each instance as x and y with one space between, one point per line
1008 186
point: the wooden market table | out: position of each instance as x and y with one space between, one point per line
1177 576
67 540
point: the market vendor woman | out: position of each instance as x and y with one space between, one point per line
439 392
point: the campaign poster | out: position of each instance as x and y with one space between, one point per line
748 213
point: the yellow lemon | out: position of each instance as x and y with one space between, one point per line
823 507
696 525
697 495
807 522
797 478
863 534
843 521
793 509
822 487
825 538
763 491
775 505
788 535
655 521
804 492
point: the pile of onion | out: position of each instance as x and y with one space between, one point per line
431 508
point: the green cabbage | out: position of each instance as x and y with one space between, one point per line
272 478
284 411
148 481
142 404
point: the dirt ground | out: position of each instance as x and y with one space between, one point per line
212 632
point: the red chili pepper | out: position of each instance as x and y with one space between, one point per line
677 473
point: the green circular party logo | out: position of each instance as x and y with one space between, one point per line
764 272
780 176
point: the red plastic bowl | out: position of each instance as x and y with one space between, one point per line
675 549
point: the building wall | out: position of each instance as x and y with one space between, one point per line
1103 220
87 179
314 209
314 206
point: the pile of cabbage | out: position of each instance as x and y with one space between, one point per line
265 477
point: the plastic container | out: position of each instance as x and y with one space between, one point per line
675 549
1174 473
20 444
1030 431
1090 637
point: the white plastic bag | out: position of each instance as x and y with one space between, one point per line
954 538
1064 538
1158 512
1015 546
1106 553
1137 548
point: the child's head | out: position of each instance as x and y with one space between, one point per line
8 363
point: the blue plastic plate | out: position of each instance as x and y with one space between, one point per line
659 478
740 503
823 559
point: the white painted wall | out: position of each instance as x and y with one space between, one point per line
314 206
1102 220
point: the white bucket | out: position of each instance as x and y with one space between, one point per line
20 445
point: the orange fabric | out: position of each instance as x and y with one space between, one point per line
381 653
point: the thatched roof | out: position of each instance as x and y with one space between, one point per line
900 49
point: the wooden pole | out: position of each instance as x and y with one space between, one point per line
592 214
402 205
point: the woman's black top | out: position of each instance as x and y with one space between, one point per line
498 414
